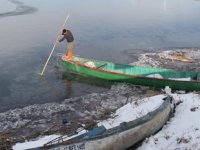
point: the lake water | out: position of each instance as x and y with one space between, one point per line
113 30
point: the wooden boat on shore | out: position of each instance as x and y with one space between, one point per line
118 138
155 77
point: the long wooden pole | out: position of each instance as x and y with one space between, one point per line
54 46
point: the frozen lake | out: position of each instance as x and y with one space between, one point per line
108 30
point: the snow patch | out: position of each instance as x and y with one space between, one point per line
132 111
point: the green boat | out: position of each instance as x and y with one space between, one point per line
154 77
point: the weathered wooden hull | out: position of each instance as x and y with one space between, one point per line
123 136
133 74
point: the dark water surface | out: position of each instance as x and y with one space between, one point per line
112 30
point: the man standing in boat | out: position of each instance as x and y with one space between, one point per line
70 41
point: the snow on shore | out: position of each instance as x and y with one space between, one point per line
36 143
181 132
132 111
42 140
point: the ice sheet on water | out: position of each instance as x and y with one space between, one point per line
161 60
7 6
21 9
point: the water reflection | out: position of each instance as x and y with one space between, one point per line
69 77
69 88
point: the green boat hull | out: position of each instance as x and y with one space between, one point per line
133 74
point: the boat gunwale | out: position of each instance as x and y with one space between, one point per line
128 75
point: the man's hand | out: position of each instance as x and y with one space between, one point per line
57 41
